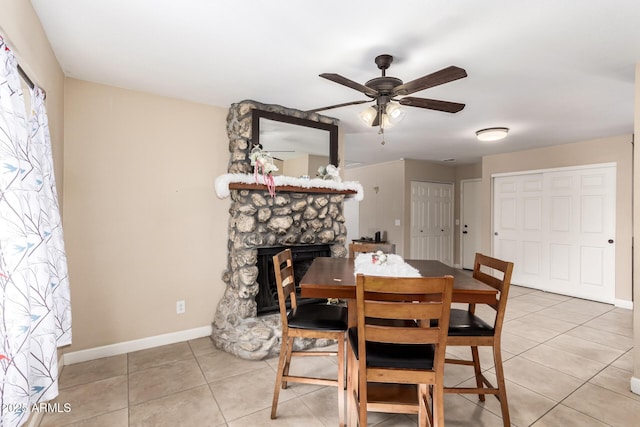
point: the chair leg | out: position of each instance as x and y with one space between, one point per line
438 405
476 367
287 362
362 399
352 379
502 390
279 374
341 382
424 414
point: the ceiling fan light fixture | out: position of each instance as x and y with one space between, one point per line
387 123
395 113
368 115
492 134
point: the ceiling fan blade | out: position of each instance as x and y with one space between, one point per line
443 76
315 110
432 104
337 78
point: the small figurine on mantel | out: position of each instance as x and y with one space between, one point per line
262 163
329 172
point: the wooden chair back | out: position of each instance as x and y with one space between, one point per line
285 281
421 299
356 248
484 269
385 305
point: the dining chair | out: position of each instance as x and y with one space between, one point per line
355 248
468 329
394 368
315 321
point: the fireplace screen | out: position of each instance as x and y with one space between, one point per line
303 255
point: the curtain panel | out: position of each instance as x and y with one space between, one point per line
35 310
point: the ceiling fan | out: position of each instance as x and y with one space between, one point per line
385 89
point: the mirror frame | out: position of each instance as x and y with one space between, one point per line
256 114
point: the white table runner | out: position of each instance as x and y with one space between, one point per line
395 266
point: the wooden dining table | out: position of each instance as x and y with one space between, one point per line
335 278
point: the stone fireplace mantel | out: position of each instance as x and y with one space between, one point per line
237 181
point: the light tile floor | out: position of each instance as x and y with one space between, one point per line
568 362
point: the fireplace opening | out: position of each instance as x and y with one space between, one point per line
302 255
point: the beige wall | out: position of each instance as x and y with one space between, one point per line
295 167
315 162
615 149
303 165
379 209
143 227
636 234
21 28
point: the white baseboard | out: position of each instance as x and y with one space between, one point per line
635 385
135 345
623 303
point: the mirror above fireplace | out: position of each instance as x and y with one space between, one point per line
286 137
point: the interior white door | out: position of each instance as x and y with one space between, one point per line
470 221
558 227
431 231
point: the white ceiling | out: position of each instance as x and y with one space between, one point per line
552 71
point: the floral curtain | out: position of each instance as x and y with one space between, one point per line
35 310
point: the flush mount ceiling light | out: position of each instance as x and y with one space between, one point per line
492 134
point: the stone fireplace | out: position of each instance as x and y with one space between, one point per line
295 217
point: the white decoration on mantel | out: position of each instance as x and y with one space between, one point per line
223 181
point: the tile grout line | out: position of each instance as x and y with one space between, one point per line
128 396
584 382
213 396
556 404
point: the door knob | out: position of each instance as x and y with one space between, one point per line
464 232
610 240
495 234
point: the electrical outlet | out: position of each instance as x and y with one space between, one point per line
180 307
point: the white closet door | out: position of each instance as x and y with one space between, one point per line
558 227
581 232
432 221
